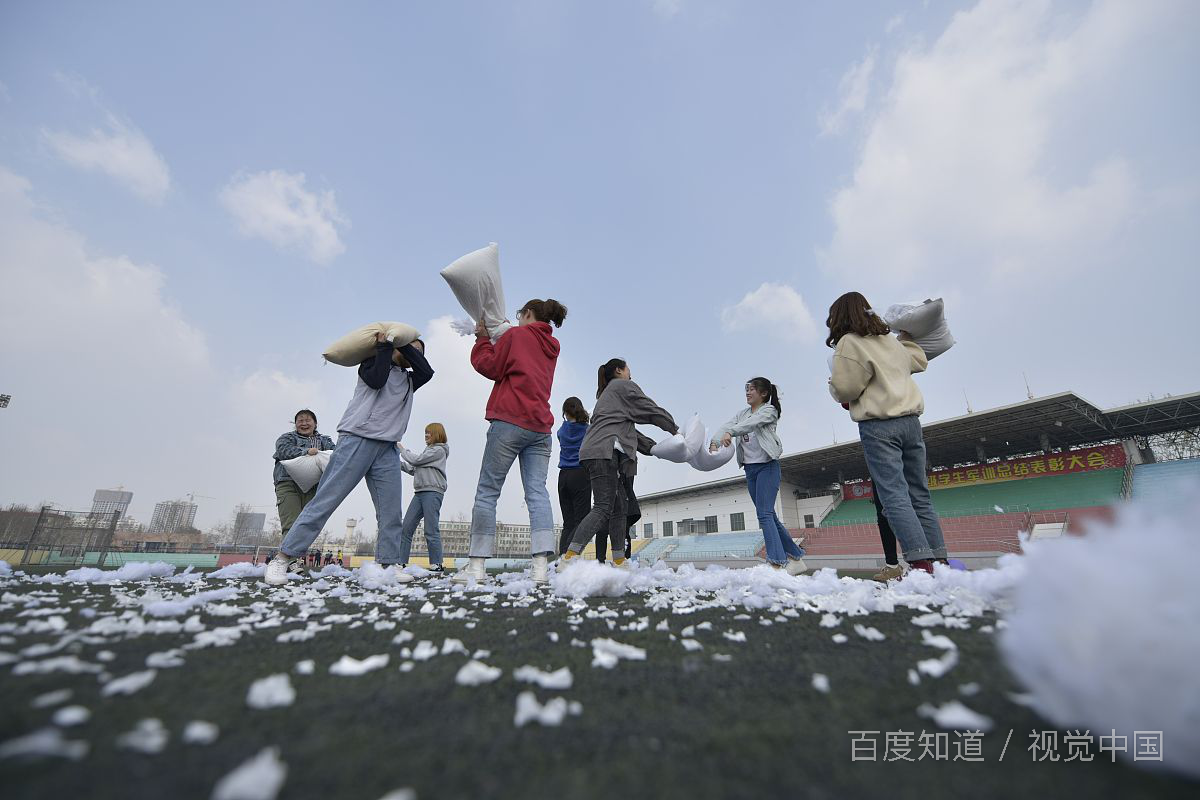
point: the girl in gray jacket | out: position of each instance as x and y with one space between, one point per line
758 450
429 487
609 454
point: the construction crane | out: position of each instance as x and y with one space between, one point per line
191 496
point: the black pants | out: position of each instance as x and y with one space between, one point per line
885 533
610 491
575 500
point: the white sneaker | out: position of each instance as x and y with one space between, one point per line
796 566
541 569
401 575
281 567
475 569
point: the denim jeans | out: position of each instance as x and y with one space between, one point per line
427 505
763 482
353 459
609 506
507 443
895 451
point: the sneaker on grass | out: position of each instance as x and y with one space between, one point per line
890 572
282 567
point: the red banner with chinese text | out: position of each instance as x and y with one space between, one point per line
1088 459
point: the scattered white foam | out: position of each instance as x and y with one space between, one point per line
259 778
559 679
820 682
1118 606
133 682
46 742
956 716
273 691
352 666
551 714
68 716
475 673
200 732
149 737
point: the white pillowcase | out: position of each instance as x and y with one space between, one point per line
924 323
306 470
475 281
682 446
706 461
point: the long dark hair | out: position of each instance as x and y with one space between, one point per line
573 408
546 311
608 371
851 313
769 391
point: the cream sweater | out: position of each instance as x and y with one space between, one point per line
874 375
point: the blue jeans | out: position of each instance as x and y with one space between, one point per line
507 443
353 459
763 482
895 452
426 504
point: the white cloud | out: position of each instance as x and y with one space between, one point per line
954 177
117 149
773 308
893 24
667 8
853 89
277 207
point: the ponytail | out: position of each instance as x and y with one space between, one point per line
608 371
546 311
768 390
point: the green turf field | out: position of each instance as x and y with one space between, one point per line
731 719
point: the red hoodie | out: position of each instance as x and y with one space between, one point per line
522 365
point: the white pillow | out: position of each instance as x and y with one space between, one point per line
682 446
306 470
359 344
693 435
475 281
706 461
924 323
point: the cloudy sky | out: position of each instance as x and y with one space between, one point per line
196 199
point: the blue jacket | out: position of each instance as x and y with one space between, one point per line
570 436
293 445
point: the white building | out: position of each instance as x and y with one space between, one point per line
724 506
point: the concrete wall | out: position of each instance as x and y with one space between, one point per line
724 502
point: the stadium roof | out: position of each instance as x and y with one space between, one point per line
1059 421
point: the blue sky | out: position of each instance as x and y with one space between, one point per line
197 199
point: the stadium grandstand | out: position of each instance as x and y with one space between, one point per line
1045 466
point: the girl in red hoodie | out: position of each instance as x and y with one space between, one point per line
521 363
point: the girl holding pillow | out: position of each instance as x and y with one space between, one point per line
609 454
521 364
758 450
303 440
872 374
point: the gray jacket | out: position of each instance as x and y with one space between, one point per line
428 469
761 423
292 445
622 404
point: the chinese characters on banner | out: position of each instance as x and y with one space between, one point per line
1088 459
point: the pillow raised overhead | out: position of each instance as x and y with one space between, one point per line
306 470
475 281
357 345
924 323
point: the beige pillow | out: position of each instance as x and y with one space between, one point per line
351 349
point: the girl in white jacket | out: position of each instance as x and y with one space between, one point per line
758 450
